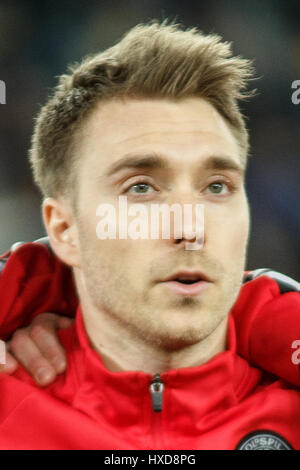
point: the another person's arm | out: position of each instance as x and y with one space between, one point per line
38 349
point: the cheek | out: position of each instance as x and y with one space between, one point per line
227 232
126 260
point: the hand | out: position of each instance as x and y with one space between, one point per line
38 349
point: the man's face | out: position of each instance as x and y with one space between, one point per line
124 279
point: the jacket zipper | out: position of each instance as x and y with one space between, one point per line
156 391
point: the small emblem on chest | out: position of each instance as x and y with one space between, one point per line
263 440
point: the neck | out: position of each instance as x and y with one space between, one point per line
120 350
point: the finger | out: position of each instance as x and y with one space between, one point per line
47 341
28 354
64 322
10 365
53 320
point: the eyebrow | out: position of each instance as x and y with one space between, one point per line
223 163
155 161
138 161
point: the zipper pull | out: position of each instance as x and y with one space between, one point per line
157 390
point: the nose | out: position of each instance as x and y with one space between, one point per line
188 228
190 243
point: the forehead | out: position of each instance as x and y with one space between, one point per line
184 130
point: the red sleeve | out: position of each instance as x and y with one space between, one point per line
33 281
268 324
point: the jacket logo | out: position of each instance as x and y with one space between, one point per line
263 440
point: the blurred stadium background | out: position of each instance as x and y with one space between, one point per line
39 38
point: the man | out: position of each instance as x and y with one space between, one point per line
152 360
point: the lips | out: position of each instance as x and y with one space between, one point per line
187 283
188 277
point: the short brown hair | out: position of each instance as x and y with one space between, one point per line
152 60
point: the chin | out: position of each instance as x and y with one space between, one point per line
178 336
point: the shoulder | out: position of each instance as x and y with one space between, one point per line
44 241
284 283
13 392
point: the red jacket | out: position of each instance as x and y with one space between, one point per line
225 404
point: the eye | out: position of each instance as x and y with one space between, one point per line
219 187
140 188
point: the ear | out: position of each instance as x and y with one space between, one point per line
62 230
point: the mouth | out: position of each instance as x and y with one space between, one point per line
187 283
